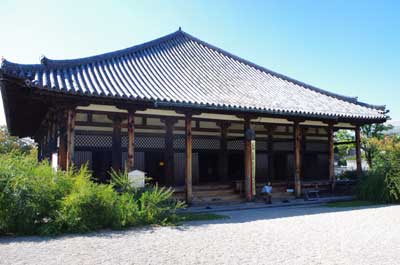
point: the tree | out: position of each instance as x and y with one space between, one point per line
10 143
372 131
344 140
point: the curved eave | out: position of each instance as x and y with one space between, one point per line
221 107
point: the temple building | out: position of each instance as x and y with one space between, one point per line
185 112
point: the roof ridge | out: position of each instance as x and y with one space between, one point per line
353 100
44 61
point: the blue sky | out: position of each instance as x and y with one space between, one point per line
347 47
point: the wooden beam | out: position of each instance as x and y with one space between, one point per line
188 158
297 158
358 150
331 156
345 142
131 135
116 143
70 138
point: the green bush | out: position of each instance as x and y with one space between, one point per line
88 207
30 193
156 205
35 199
382 183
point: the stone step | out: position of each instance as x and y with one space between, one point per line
217 199
208 193
205 187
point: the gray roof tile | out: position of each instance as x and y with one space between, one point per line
181 69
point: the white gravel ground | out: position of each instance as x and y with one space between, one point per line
308 235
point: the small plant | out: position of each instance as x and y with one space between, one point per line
120 181
156 205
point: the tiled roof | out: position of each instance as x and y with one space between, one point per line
181 70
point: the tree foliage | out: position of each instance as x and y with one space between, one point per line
344 137
382 182
10 143
370 133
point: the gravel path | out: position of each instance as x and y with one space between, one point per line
308 235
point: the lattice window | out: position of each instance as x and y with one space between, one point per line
106 141
179 142
236 145
149 142
206 143
124 141
93 140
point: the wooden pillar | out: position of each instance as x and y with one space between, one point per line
358 150
116 143
53 136
70 138
62 135
131 136
223 162
188 158
297 158
48 140
248 137
270 147
331 156
169 150
39 149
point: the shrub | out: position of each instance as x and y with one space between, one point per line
35 199
156 205
382 182
30 193
89 206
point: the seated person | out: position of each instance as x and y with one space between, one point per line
266 193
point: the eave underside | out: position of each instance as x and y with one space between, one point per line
26 109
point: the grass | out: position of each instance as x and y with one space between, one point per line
354 203
186 217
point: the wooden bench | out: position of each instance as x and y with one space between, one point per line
311 194
311 190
